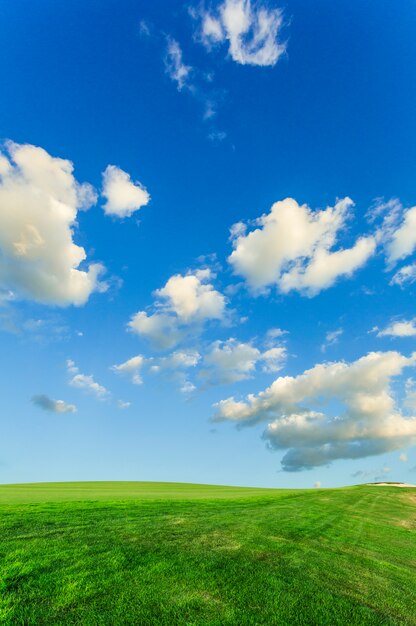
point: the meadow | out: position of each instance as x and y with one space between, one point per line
166 554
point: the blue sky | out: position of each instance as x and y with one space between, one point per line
165 312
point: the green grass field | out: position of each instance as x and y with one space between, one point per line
175 554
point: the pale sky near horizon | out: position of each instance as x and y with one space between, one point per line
207 241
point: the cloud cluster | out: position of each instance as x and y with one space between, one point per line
55 406
123 197
39 201
174 364
251 30
361 418
182 306
292 248
231 361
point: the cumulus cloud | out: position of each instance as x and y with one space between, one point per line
39 202
251 30
231 361
361 417
292 248
401 328
131 368
174 65
182 306
55 406
85 382
123 196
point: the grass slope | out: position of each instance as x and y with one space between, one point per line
171 554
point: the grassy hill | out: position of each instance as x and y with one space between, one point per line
176 554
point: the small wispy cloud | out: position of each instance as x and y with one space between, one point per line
175 67
197 83
86 382
406 275
331 338
122 404
131 368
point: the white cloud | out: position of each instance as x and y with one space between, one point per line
293 248
122 404
406 274
174 65
180 359
403 239
187 387
86 382
317 484
183 305
217 136
123 196
397 234
191 297
39 201
131 368
71 368
160 329
251 30
362 418
55 406
231 361
399 329
173 365
331 338
403 457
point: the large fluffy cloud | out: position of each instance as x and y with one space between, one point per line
332 411
123 196
39 201
251 30
292 247
183 305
